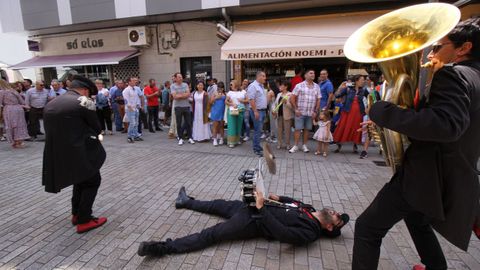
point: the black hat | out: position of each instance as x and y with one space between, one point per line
82 82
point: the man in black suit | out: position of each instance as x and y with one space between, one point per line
287 220
437 185
73 154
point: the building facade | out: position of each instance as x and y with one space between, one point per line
93 37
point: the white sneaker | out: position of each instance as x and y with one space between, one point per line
274 140
191 141
263 136
180 142
215 143
305 149
293 149
246 139
220 142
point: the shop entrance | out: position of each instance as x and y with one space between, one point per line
278 69
196 69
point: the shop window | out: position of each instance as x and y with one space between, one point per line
196 69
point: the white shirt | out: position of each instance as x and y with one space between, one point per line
132 100
235 96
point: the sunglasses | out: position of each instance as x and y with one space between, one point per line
437 46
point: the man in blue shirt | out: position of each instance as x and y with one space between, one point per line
326 89
258 106
117 101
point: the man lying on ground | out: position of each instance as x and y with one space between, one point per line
277 218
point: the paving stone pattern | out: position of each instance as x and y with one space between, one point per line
139 185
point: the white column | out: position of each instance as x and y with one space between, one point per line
130 8
64 12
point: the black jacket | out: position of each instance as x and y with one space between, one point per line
70 156
290 225
439 173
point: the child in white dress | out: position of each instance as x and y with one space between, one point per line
323 134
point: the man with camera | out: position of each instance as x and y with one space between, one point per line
276 218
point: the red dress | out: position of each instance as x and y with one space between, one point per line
348 125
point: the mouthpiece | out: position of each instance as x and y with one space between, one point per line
427 65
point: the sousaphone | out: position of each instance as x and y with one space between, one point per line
395 41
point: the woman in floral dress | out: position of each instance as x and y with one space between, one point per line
12 105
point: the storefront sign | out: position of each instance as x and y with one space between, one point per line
87 43
336 51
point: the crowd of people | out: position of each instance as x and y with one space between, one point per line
274 109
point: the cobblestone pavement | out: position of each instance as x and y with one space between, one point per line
140 183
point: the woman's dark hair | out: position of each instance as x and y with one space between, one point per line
284 83
356 77
467 31
273 86
200 82
221 85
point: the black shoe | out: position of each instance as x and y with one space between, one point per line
130 140
158 129
182 199
152 249
339 147
138 139
40 133
363 154
259 153
355 149
151 130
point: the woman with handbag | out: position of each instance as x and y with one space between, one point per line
235 102
12 108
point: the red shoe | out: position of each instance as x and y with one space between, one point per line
476 230
418 267
92 224
74 220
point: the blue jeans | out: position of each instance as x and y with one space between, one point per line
117 117
257 127
132 124
246 123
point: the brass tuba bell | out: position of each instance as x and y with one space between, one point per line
395 41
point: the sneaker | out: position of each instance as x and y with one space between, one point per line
363 154
258 153
190 141
293 149
138 139
130 140
246 139
269 140
305 149
3 138
92 224
110 132
220 142
231 145
325 154
103 132
418 267
274 140
180 142
263 136
215 143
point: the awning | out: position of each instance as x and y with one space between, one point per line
86 59
306 37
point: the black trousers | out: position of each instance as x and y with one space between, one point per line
34 117
185 114
142 120
239 225
105 116
388 208
153 117
83 197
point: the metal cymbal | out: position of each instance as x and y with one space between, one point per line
269 158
